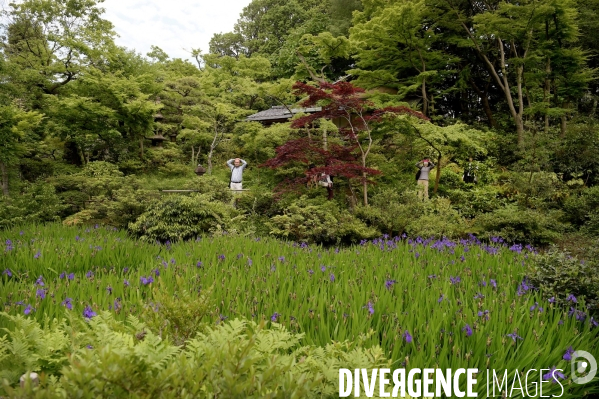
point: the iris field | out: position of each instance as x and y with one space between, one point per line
427 303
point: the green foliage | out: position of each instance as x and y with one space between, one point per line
37 203
211 187
176 316
517 224
582 209
558 275
391 211
237 359
319 221
480 199
178 217
439 219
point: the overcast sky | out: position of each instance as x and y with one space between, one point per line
174 26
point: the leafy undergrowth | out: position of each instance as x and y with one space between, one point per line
428 303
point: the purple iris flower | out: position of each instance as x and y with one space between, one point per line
440 298
62 275
221 257
109 289
493 283
126 283
323 268
516 248
462 258
89 274
146 280
533 307
40 281
568 355
173 261
88 313
552 299
157 272
553 375
523 287
332 278
572 298
468 330
40 293
28 310
310 271
250 262
281 259
9 246
407 337
67 303
514 336
370 308
389 284
7 272
455 280
416 255
37 255
275 316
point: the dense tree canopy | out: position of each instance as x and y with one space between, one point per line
510 85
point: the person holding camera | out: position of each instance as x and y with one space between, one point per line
424 166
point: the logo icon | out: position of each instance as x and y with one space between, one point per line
584 367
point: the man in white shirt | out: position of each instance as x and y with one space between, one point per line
237 166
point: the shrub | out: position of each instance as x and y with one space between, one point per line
558 275
131 167
173 169
37 203
319 221
516 224
439 219
211 187
176 316
391 211
583 210
236 359
180 217
480 199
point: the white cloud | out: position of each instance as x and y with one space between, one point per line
174 26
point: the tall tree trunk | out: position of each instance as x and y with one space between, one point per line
141 147
484 97
563 124
424 98
210 160
502 81
438 177
4 174
546 89
365 188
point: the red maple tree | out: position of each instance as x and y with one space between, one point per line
343 103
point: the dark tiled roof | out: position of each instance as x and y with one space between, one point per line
279 112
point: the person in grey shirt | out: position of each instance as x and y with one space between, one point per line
237 166
425 167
